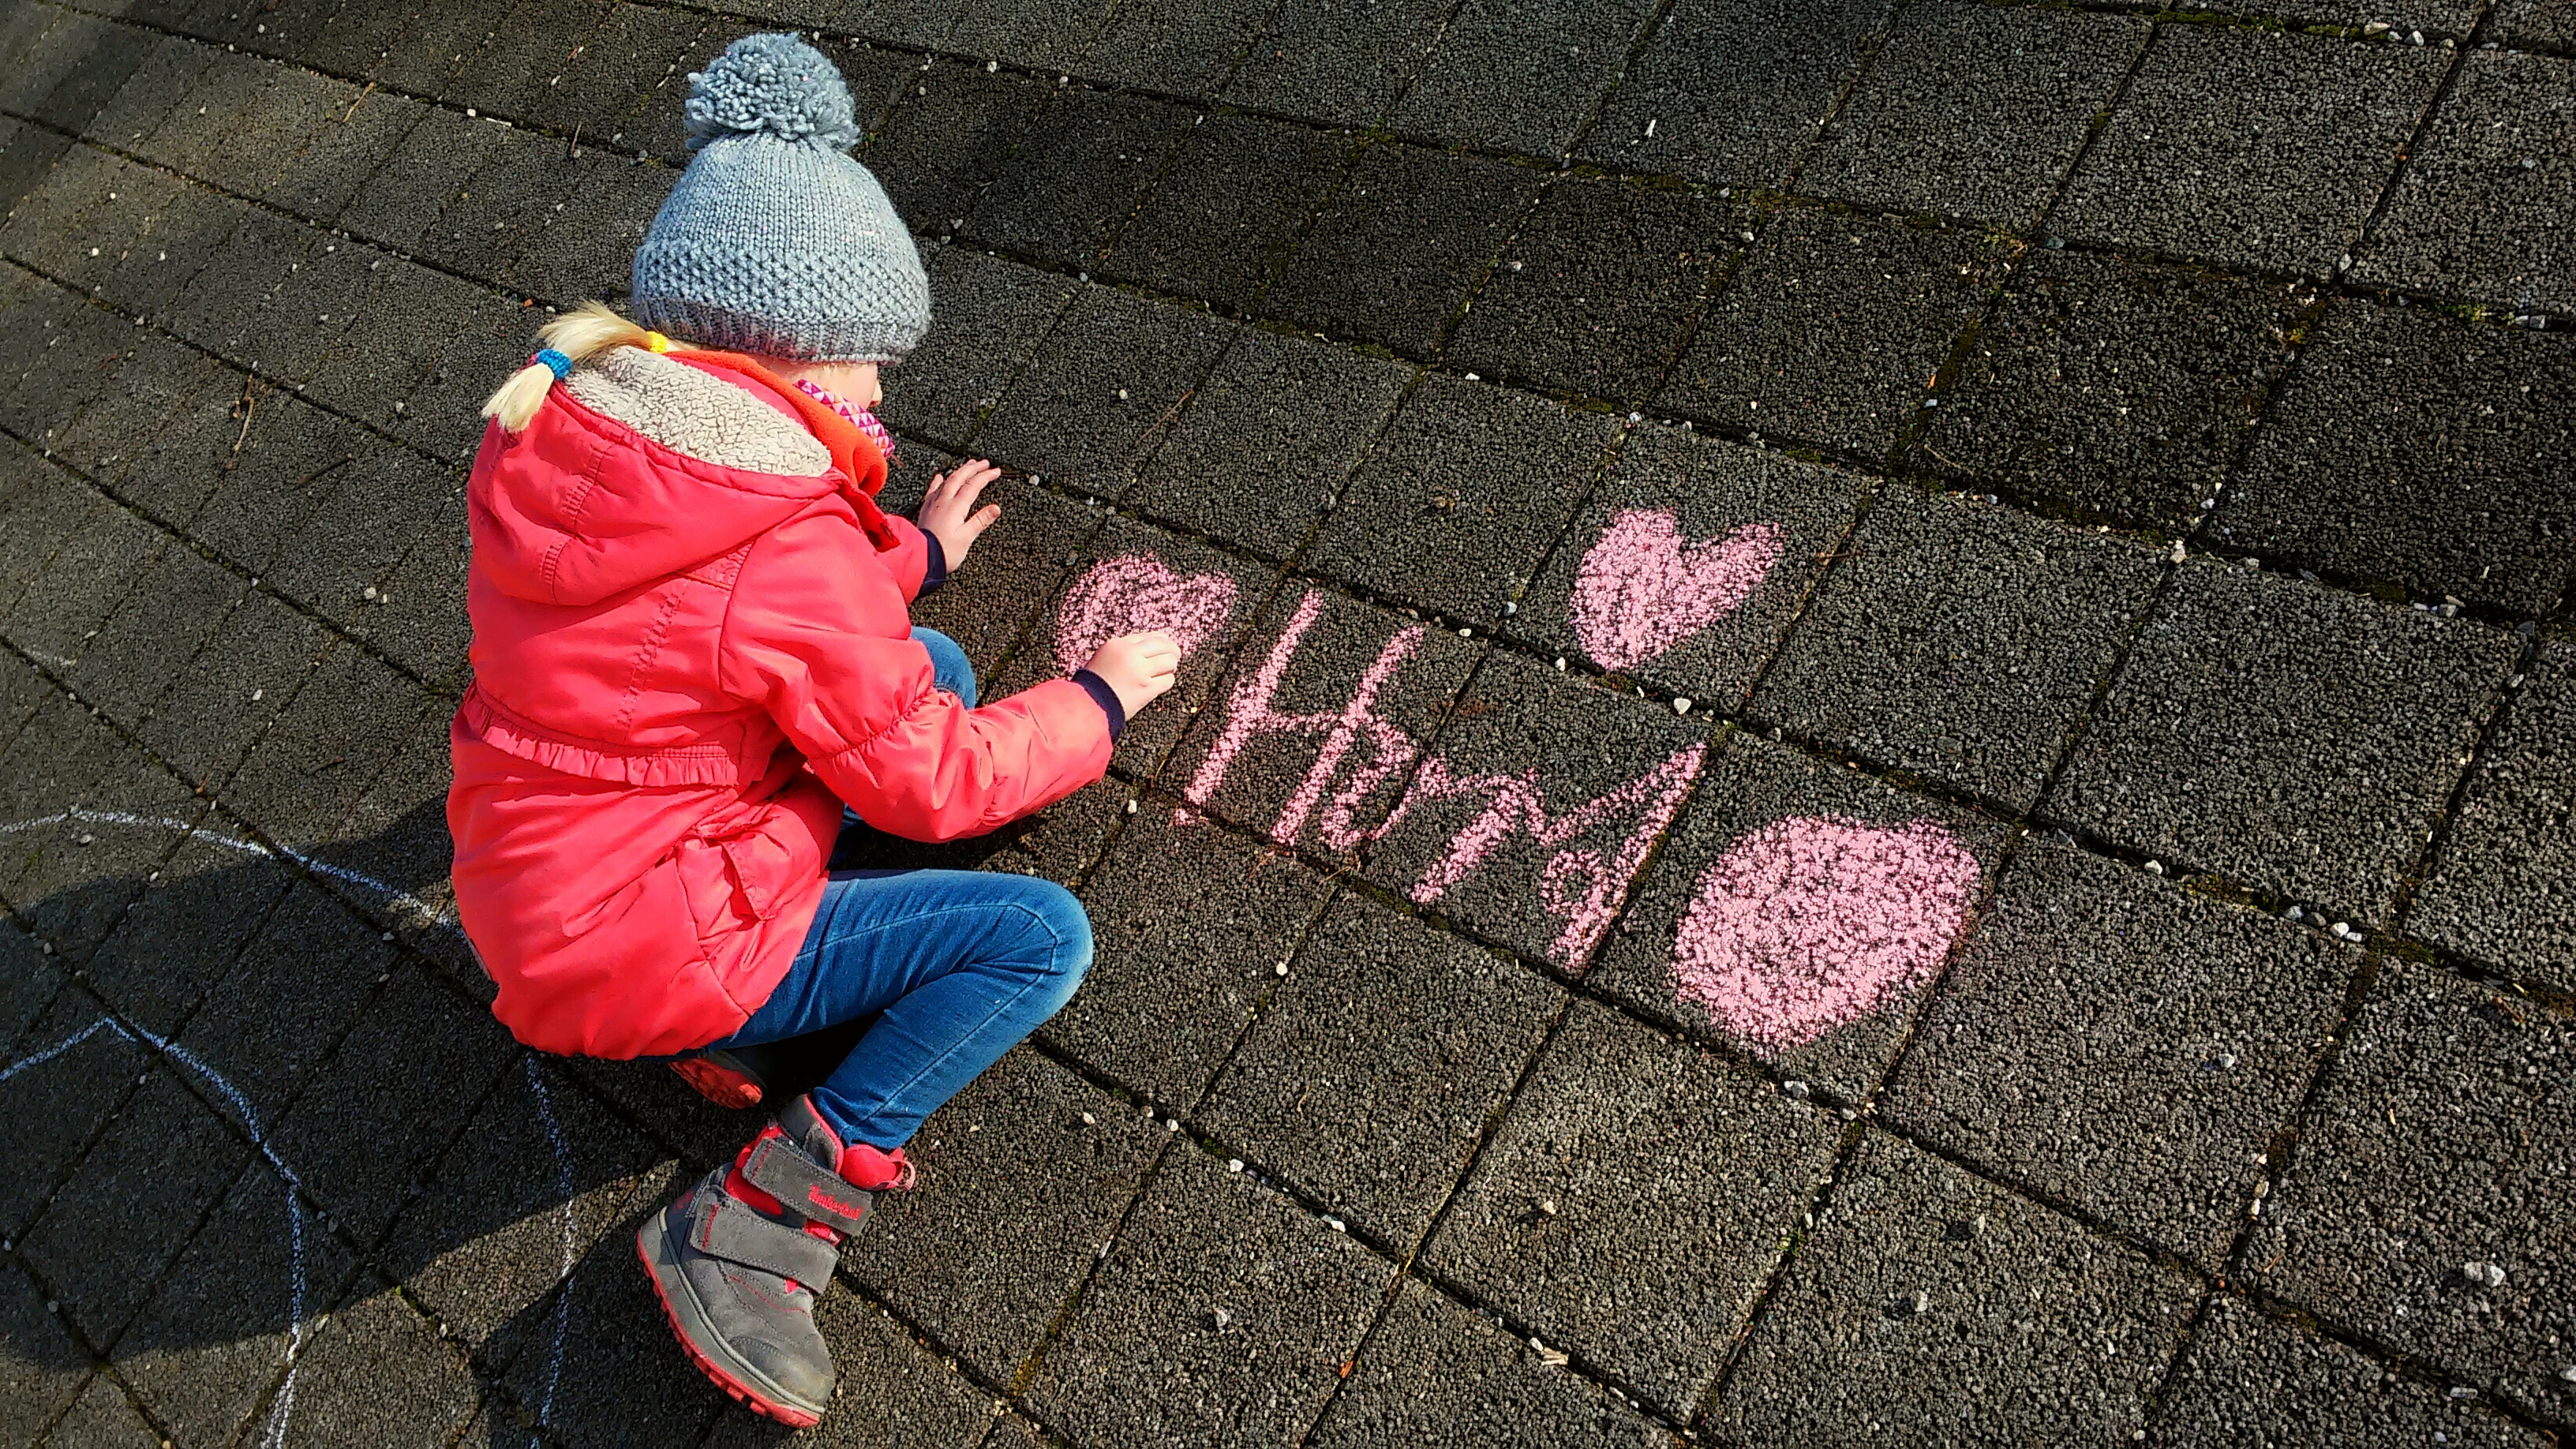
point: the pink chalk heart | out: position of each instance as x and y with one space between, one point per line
1126 595
1642 590
1806 924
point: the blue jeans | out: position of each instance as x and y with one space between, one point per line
949 968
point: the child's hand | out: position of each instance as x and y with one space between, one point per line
948 512
1138 667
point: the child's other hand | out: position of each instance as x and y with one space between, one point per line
1139 667
948 512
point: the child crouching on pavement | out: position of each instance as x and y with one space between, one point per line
693 669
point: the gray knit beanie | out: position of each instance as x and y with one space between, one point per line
775 241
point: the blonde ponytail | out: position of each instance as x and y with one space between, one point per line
587 329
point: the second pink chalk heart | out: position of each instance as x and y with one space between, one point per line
1808 923
1643 589
1126 595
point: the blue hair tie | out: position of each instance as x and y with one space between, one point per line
556 362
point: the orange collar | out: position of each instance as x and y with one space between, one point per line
861 466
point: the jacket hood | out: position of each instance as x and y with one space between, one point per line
636 468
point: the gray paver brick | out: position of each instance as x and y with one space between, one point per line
1267 441
1077 177
2497 890
2425 1153
1958 642
2477 213
1596 287
988 318
1974 112
1433 1372
103 58
1041 34
951 133
41 1369
2255 148
2115 388
378 1374
168 72
1374 1070
1191 924
2293 739
1831 330
1229 211
1185 47
619 63
1800 841
1673 1182
2124 1045
314 946
39 1365
131 1205
1102 389
401 203
2536 24
1259 750
325 749
2414 449
1335 61
1017 1194
1459 501
1532 821
2249 1378
59 1102
155 383
586 249
522 65
360 1135
206 720
104 1417
538 1177
1929 1307
1676 625
181 934
76 879
1731 93
1520 75
173 606
1223 1311
28 982
98 560
152 280
1396 250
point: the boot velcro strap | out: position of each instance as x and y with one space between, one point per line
805 1186
727 1229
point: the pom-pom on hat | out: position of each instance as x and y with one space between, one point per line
775 241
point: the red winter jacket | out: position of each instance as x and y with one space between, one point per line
690 647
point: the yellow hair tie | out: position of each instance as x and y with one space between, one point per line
657 342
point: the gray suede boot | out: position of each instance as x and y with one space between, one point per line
738 1258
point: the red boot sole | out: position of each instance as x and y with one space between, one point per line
720 1085
742 1393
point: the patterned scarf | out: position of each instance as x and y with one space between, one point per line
865 421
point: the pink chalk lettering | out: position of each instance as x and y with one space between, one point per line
1640 591
1576 884
1126 595
1809 923
1251 713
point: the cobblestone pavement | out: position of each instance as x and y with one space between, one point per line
1883 751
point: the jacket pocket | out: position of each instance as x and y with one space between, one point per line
743 876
